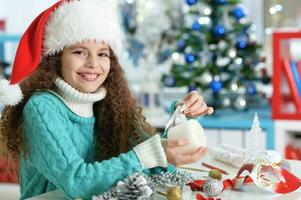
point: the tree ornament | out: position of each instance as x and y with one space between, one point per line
174 193
255 143
253 38
205 10
196 26
192 88
136 186
238 12
232 52
219 30
251 89
215 174
234 86
206 23
206 78
181 45
190 58
177 177
222 61
213 187
240 103
221 2
216 84
191 2
169 81
241 43
226 102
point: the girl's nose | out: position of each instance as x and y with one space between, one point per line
92 62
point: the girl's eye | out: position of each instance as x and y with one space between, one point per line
79 52
104 55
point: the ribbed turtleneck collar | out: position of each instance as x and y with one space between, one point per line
80 103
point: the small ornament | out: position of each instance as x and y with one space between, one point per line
232 53
191 2
216 84
234 86
169 81
251 89
219 30
238 61
189 58
222 45
181 44
192 88
206 10
136 186
175 56
196 26
213 187
255 143
215 174
221 2
241 43
205 22
240 103
206 78
176 177
226 102
222 61
238 12
174 193
253 38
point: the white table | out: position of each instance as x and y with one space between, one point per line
249 192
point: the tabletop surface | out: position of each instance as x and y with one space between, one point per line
248 192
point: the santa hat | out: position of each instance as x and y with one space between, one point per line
63 24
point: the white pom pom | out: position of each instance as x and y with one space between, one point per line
10 94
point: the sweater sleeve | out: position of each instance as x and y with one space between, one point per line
52 152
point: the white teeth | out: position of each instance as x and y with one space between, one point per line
89 76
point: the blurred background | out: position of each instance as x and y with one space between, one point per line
242 56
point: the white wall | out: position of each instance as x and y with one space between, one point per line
20 13
255 11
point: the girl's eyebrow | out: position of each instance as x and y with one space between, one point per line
78 46
84 47
104 49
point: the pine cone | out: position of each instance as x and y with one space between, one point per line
137 186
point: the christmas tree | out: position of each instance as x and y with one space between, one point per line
215 51
255 142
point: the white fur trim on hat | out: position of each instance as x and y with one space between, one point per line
10 94
78 21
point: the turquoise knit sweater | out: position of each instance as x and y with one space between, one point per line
61 152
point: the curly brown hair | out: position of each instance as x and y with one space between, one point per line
119 119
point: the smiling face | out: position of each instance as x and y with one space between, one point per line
85 66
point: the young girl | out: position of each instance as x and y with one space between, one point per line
78 128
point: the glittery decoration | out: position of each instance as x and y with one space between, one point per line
174 193
178 177
212 187
215 174
137 186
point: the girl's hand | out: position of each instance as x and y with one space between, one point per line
195 105
178 159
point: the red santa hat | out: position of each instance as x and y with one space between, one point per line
63 24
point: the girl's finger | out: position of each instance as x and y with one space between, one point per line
191 99
175 143
191 157
200 110
194 107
